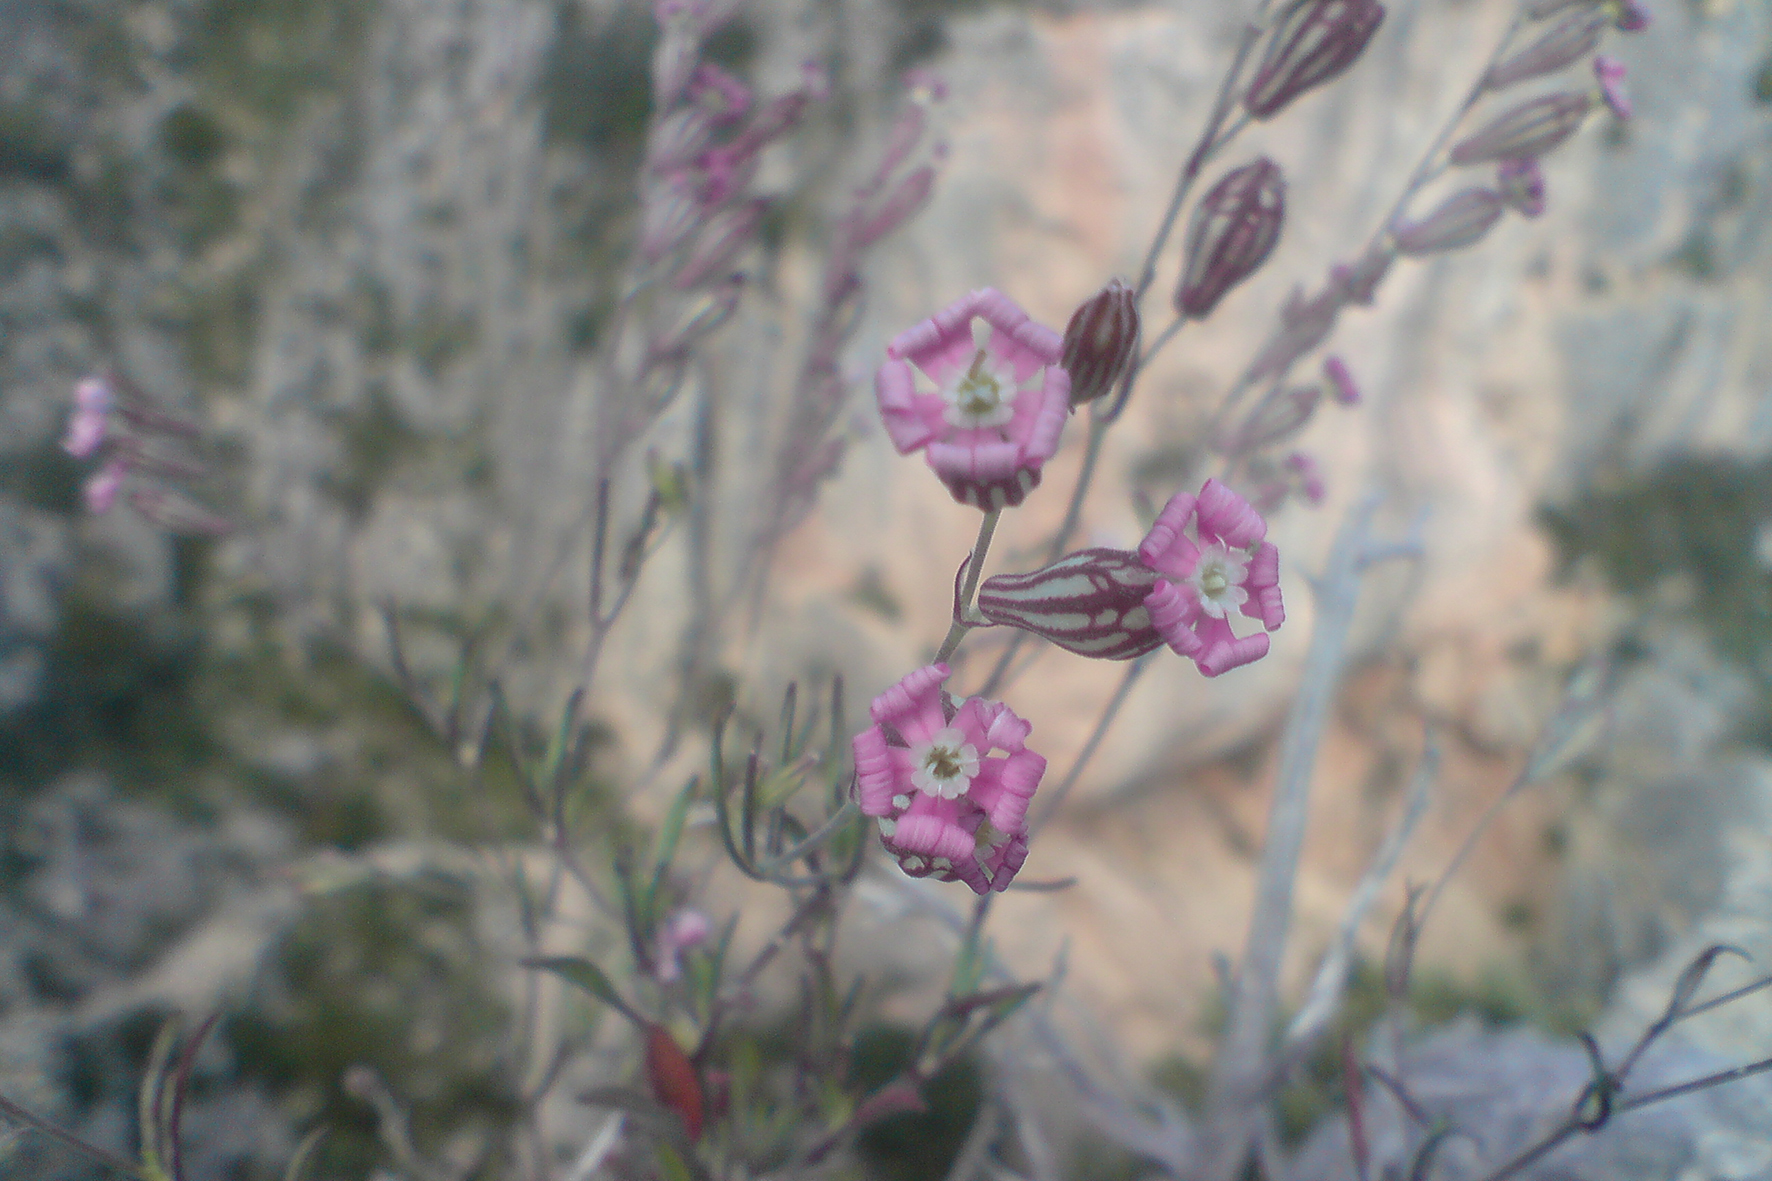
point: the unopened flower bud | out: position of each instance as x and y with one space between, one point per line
1460 220
1090 603
1541 9
1233 230
719 240
668 215
1100 342
1275 418
1628 16
905 200
1342 386
678 138
697 317
102 487
1522 186
1357 282
1311 42
673 62
1530 129
1570 39
1609 72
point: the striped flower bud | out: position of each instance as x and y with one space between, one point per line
721 237
1530 129
1233 230
1540 9
1460 220
1100 342
1572 38
1275 418
1312 42
1090 603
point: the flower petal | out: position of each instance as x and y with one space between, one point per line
913 706
912 419
1223 515
1173 613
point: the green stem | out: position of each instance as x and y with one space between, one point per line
974 568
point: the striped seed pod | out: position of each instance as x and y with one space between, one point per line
1458 221
1090 602
1100 342
1528 130
1572 38
1312 42
1233 230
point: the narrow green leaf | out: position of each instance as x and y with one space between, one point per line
670 834
304 1153
582 973
151 1099
670 1164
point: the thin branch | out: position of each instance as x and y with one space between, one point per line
70 1141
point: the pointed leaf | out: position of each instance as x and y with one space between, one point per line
304 1152
582 973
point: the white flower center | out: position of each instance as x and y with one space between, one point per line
945 765
984 394
1218 579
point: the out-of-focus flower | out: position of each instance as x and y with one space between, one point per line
948 804
90 419
1528 130
1522 185
1233 230
1458 221
1226 567
103 485
1342 386
1609 72
683 930
978 387
1311 42
1307 477
724 98
1100 342
904 202
1570 39
1116 604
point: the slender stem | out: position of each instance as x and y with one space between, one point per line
1108 713
974 568
1240 1067
68 1140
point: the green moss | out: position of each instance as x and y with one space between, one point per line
1697 518
191 138
596 88
387 975
30 150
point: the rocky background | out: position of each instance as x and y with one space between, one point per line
371 245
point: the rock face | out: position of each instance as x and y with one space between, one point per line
376 249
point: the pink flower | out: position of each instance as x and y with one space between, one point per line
1226 567
1522 185
979 388
101 489
1116 605
87 424
723 97
1342 386
1609 72
682 931
947 805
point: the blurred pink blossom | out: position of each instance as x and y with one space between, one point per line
1226 567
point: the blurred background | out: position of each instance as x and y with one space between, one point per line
372 247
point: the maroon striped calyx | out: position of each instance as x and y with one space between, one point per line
1233 230
1528 130
1100 342
1458 221
1311 42
1090 602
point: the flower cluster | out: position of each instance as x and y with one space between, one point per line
1176 589
142 452
949 784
